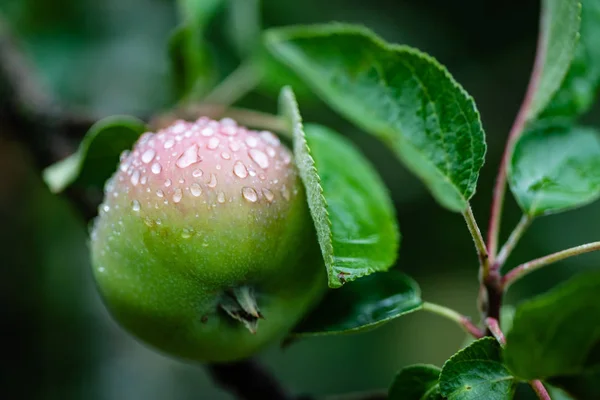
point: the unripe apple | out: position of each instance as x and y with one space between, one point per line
204 246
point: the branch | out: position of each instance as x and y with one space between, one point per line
540 390
51 133
494 328
527 267
250 118
512 241
479 242
513 136
462 320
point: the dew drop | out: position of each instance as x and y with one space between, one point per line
239 169
249 194
168 183
135 205
225 155
197 173
270 151
149 222
186 233
189 157
169 143
285 192
259 158
251 141
221 197
195 189
270 138
287 158
148 156
268 195
207 132
144 180
105 208
124 155
156 168
160 193
234 146
229 130
135 178
213 143
228 122
179 127
177 196
213 181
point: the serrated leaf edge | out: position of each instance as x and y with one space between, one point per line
276 35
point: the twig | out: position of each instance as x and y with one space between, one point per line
540 390
513 136
527 267
494 328
512 241
250 118
235 86
479 242
462 320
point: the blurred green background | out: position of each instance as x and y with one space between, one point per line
110 56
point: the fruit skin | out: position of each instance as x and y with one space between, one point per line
183 224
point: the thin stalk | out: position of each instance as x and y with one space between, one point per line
235 86
494 327
462 320
540 390
515 132
250 118
479 242
512 241
527 267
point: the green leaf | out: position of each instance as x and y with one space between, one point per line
192 63
477 372
365 304
555 167
244 25
198 13
579 88
98 154
558 333
402 96
416 382
559 31
353 214
557 394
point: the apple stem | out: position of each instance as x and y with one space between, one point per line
240 304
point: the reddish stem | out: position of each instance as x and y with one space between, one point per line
494 328
527 267
515 132
540 390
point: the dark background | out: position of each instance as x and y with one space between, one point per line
109 56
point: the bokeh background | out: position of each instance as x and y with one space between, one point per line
58 342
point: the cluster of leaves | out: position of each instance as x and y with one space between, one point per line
411 103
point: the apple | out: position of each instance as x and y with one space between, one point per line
204 246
